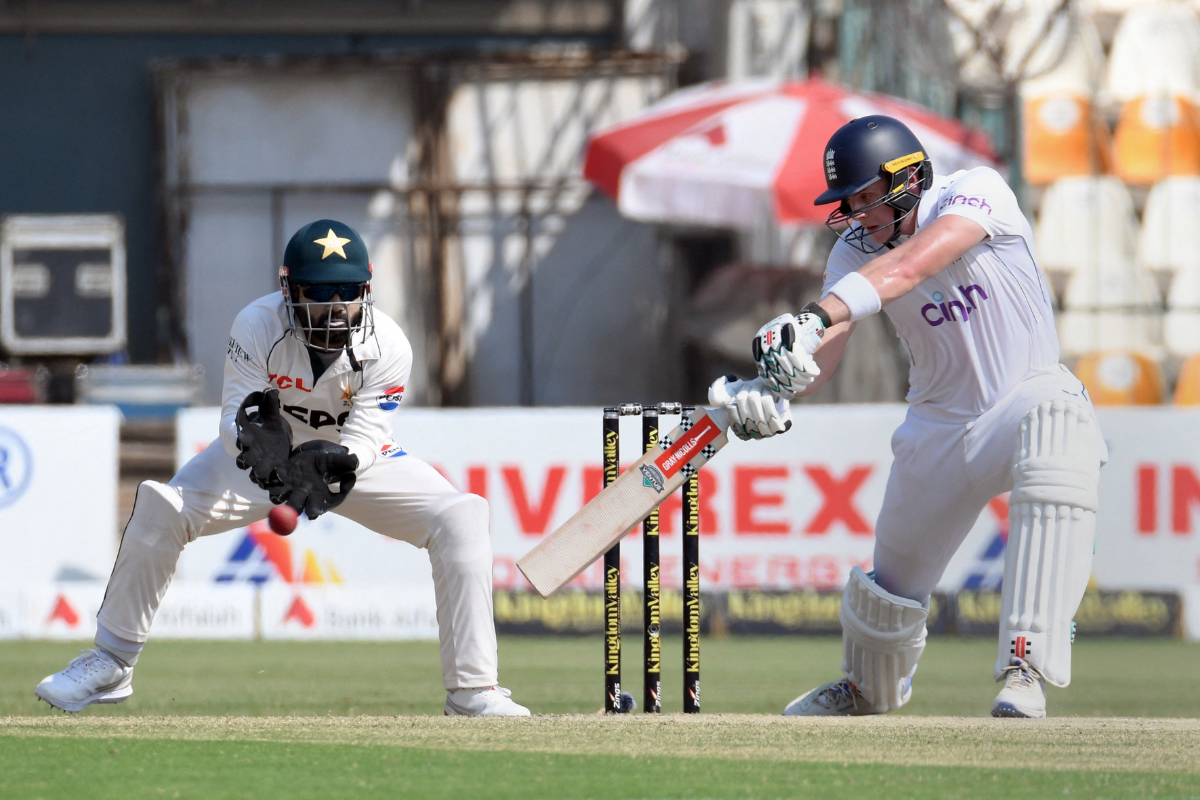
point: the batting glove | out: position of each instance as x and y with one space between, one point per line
783 353
753 411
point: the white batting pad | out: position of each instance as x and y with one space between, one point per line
1051 530
883 636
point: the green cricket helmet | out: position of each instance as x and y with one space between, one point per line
327 259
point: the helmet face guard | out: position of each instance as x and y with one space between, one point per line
861 153
910 176
318 326
330 259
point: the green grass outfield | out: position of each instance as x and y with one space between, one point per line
298 720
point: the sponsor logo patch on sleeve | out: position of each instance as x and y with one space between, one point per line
391 397
391 450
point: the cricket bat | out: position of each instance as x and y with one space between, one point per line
618 509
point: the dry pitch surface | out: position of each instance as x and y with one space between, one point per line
321 720
1098 744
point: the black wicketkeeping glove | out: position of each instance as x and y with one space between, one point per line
307 475
264 437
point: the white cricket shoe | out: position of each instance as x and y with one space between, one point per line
1024 692
490 701
93 677
837 698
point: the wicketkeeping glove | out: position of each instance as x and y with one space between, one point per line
306 477
754 412
264 438
783 352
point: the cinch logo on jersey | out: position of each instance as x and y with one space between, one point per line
680 453
942 310
391 397
964 200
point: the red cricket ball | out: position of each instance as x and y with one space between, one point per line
282 519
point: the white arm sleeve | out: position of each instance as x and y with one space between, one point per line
245 370
369 424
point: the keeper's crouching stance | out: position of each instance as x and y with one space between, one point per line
338 368
950 260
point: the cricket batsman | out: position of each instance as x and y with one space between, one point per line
313 377
950 260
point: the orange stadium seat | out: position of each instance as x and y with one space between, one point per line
1187 390
1062 139
1118 377
1156 137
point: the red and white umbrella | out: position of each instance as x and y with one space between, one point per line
725 153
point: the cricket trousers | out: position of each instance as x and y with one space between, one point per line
400 497
943 474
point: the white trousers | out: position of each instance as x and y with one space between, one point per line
943 474
402 497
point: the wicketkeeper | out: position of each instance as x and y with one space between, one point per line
313 377
950 260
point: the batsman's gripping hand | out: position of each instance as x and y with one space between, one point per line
783 352
306 478
263 437
754 412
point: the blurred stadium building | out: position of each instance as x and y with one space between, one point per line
450 134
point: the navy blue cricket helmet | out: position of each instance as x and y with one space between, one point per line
866 150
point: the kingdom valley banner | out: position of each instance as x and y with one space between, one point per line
791 513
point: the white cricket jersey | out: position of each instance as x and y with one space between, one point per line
347 406
985 322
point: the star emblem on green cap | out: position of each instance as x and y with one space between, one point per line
332 244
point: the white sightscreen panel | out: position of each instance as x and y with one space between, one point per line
311 128
229 264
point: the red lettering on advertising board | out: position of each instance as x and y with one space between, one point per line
300 612
710 572
783 570
825 572
1185 490
1147 499
839 500
744 571
747 499
477 481
63 611
533 517
593 482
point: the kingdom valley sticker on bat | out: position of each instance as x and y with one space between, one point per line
680 453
